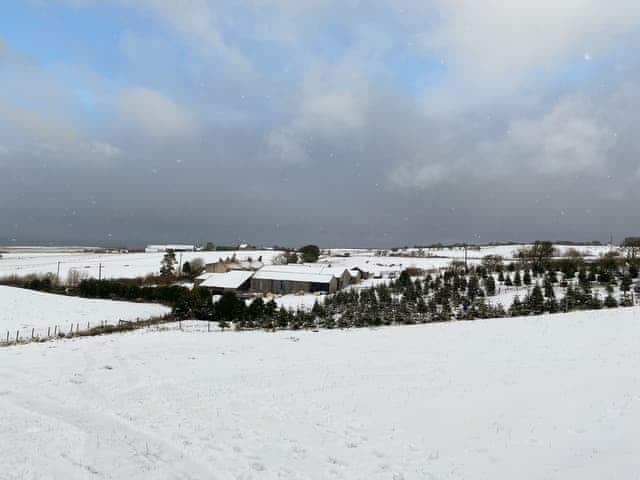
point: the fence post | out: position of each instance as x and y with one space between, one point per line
17 333
49 332
32 331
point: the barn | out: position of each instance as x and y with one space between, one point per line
288 279
232 281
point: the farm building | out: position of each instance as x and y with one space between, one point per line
357 275
289 279
166 248
222 266
218 267
343 276
234 280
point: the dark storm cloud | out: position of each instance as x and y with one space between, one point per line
516 140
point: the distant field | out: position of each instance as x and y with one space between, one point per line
119 265
42 260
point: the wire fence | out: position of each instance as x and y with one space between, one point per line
33 334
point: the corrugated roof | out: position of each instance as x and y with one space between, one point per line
318 268
292 275
230 280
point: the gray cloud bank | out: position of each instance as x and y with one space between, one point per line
512 122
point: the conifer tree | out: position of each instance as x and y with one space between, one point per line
610 301
548 288
516 307
551 305
168 265
517 280
490 286
536 300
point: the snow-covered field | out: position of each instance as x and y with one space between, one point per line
131 265
118 265
539 397
25 309
508 252
387 264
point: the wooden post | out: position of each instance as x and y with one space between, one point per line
7 336
32 331
17 333
49 332
55 330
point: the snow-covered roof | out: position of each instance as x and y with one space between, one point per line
318 268
292 274
164 248
231 280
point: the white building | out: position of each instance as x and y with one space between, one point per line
165 248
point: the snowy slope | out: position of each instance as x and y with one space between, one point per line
25 309
546 397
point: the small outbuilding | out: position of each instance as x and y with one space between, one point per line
166 248
232 281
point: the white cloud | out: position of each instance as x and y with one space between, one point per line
197 22
576 136
32 133
498 42
285 146
154 116
419 176
104 149
569 139
332 106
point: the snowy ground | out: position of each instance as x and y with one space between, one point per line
130 265
539 397
25 309
119 265
510 252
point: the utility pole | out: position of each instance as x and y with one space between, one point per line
180 266
100 272
465 256
58 274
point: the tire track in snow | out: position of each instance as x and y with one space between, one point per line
151 453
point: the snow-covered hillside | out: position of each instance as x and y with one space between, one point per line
25 309
539 397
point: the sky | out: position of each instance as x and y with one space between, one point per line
342 123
